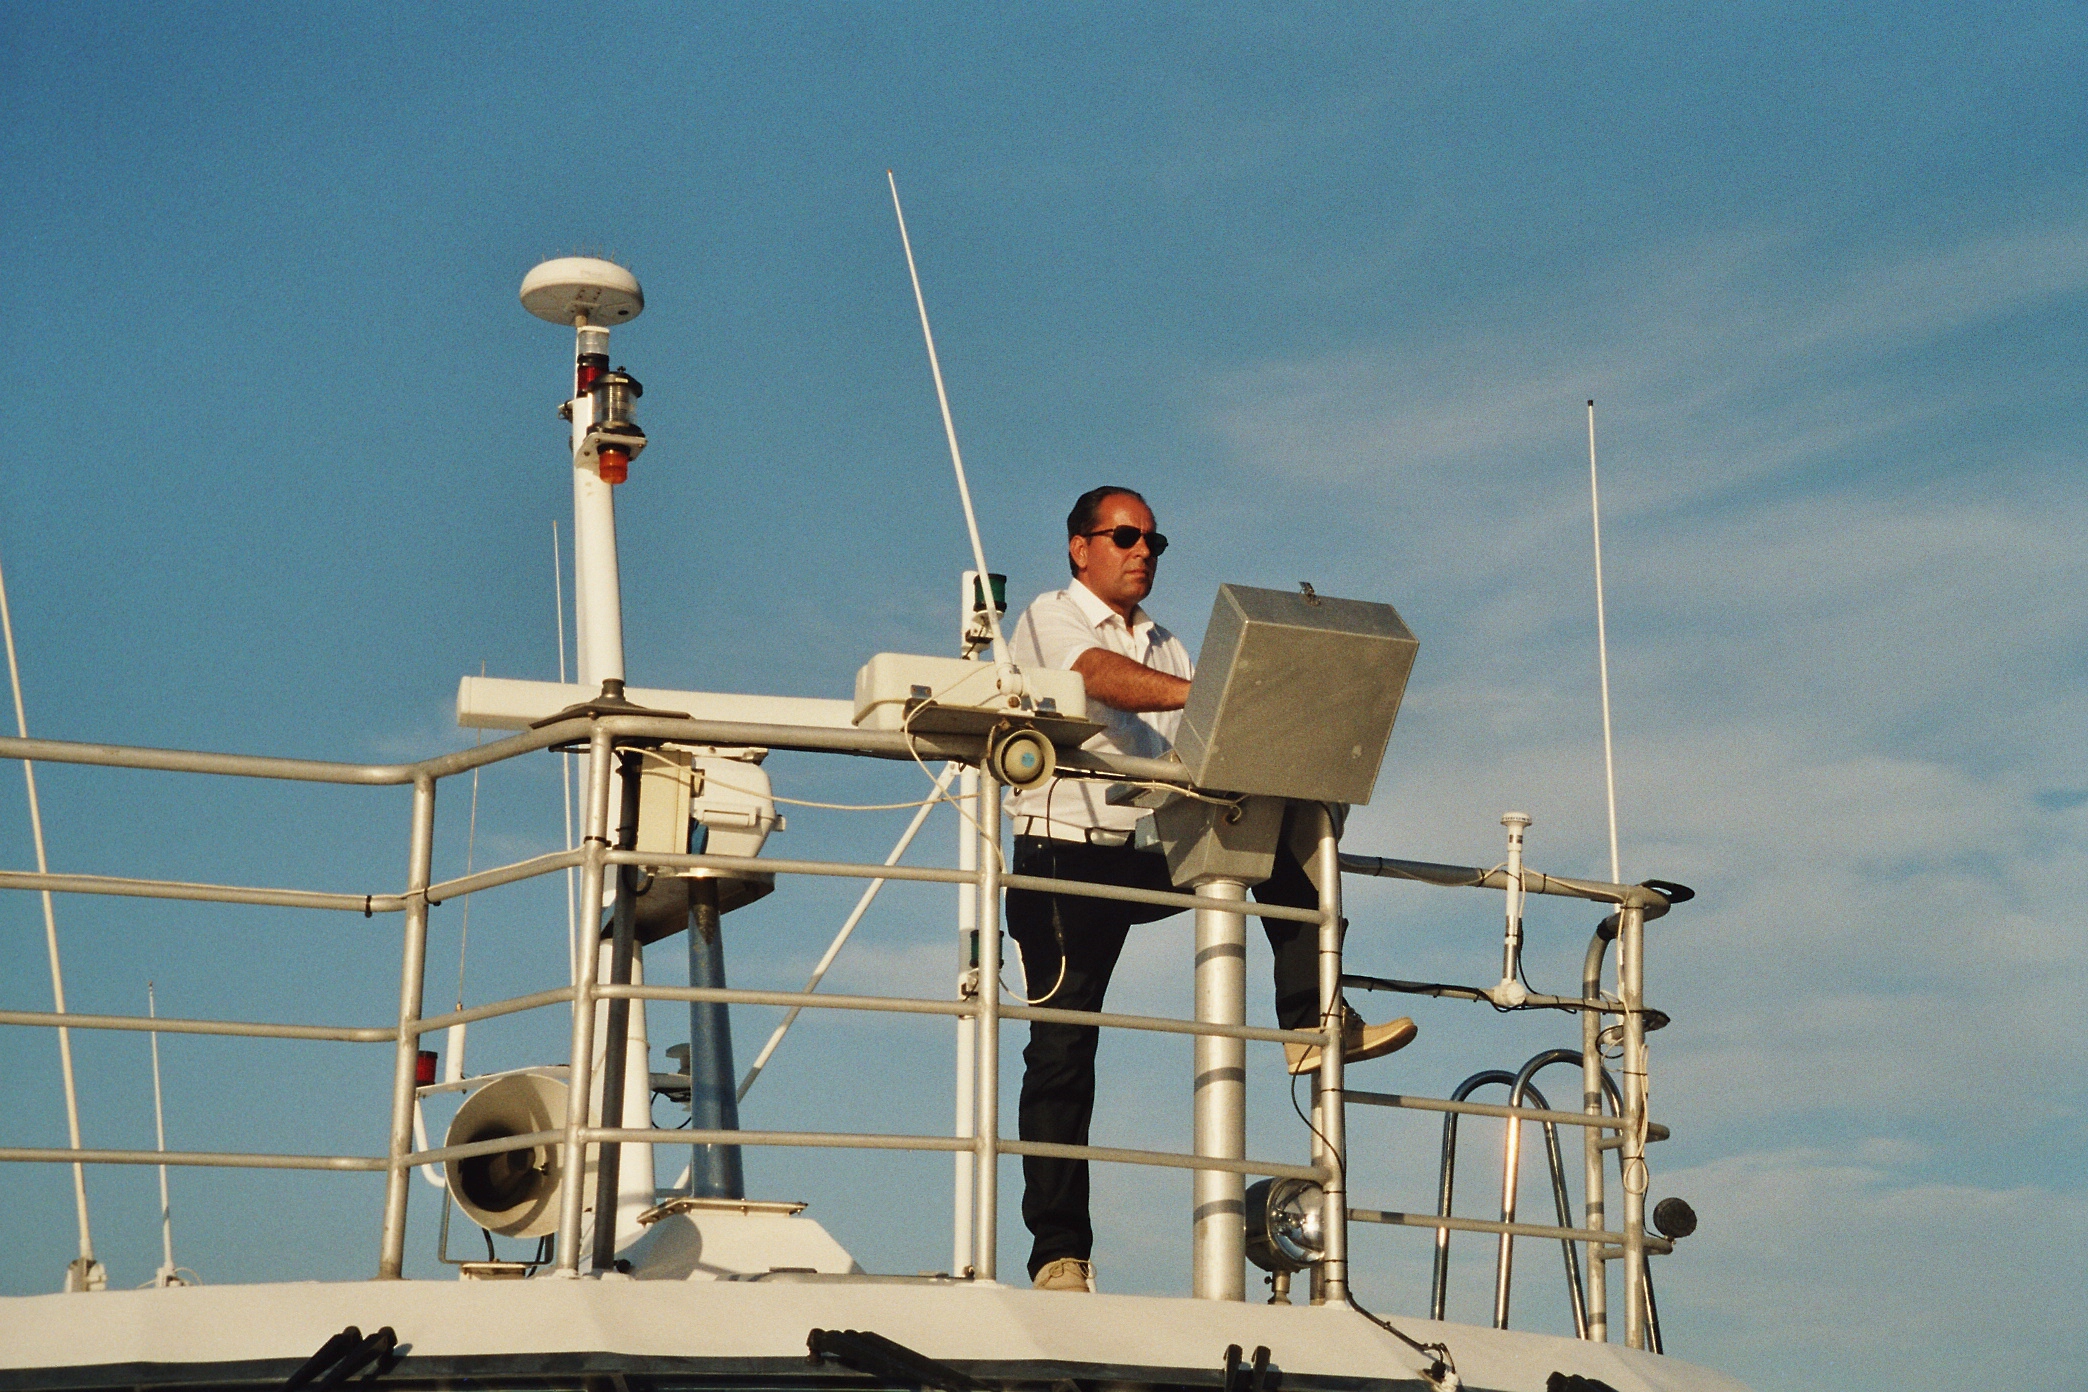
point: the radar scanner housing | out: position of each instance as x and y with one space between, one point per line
1295 695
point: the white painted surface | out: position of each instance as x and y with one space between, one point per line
707 1246
502 703
888 681
770 1319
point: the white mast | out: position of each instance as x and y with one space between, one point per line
591 295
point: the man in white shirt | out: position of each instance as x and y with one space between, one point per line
1137 675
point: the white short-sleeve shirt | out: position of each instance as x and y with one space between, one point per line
1057 628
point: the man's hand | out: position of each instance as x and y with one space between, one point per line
1115 680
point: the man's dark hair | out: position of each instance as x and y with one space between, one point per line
1085 509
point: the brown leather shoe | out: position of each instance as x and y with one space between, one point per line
1066 1274
1359 1043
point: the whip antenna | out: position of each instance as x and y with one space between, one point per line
971 521
168 1274
85 1273
1609 761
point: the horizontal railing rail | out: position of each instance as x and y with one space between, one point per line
737 734
1487 1109
1602 1236
208 1159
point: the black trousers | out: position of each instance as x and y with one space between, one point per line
1069 948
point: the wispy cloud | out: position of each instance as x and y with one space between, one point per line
1739 358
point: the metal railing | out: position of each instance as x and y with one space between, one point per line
595 858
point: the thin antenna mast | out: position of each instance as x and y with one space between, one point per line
85 1273
1609 760
971 522
167 1274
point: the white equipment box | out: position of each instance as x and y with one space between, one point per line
952 695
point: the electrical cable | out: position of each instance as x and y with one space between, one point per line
1442 1372
906 734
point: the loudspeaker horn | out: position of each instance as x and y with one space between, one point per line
511 1192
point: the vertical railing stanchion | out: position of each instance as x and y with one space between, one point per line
965 1197
1332 1286
1218 1247
616 1027
986 1146
1631 982
572 1198
420 859
1593 1216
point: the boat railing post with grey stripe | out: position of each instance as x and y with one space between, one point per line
1219 1149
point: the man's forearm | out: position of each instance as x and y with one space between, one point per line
1115 680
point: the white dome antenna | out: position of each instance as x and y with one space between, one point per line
582 290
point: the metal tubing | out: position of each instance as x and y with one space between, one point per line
965 1164
503 875
1631 988
1593 1216
872 744
514 1005
1160 1025
214 1159
1219 1082
907 746
1653 1339
1441 1222
391 1259
1576 1292
1332 1271
986 1143
616 1033
572 1196
1446 1184
810 1140
881 744
1651 901
190 761
347 1034
202 893
1504 1263
715 1171
1437 1104
933 875
292 770
1162 1159
822 1001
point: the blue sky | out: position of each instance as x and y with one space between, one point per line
1330 284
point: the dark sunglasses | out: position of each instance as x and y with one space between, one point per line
1124 538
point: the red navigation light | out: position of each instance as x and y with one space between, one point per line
424 1068
615 463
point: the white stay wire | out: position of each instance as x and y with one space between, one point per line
855 916
1609 761
971 521
65 1058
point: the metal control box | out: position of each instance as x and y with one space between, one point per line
1295 694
